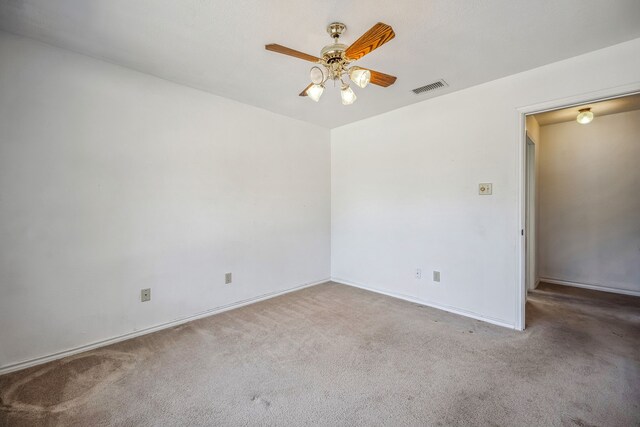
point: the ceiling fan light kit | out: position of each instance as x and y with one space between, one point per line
360 76
348 95
315 91
336 58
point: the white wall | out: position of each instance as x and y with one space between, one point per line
590 202
533 132
112 181
405 187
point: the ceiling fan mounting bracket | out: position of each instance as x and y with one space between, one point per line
335 29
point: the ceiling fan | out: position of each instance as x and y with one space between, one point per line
336 59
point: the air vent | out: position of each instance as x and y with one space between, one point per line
431 86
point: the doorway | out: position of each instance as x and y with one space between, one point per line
529 181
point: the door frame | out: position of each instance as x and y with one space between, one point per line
530 216
521 137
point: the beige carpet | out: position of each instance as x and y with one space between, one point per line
335 355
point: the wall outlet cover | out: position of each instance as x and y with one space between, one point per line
227 278
145 295
436 276
485 189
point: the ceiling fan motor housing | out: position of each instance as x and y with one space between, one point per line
333 55
333 52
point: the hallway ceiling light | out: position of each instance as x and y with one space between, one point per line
336 58
584 116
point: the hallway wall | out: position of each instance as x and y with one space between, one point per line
589 206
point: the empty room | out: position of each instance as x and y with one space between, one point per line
218 212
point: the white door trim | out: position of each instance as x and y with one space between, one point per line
530 218
521 137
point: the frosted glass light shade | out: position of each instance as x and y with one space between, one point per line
315 92
348 96
317 75
585 116
360 76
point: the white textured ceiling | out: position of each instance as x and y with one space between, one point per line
218 45
599 109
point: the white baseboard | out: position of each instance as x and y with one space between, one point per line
453 310
59 355
590 286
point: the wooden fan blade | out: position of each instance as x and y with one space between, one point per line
304 92
378 35
291 52
382 79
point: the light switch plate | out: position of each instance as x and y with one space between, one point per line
485 188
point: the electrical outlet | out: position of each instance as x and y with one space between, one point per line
145 295
436 276
418 274
227 278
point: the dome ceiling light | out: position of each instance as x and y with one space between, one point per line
585 116
334 63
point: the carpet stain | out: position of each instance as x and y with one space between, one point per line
261 401
67 383
581 423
